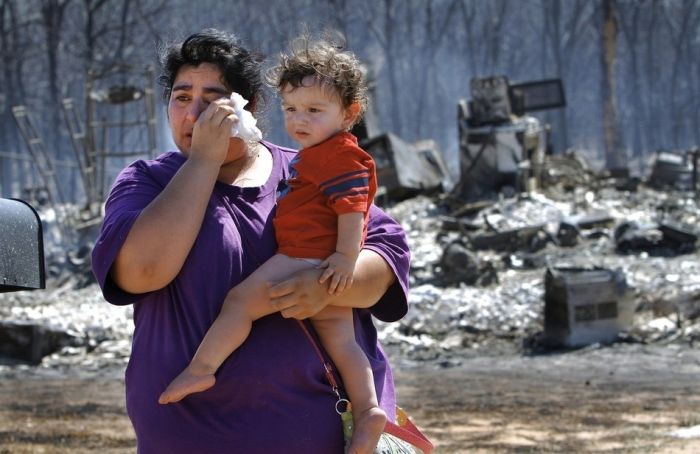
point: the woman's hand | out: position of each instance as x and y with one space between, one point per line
301 296
212 131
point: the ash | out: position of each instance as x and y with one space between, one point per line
499 312
502 312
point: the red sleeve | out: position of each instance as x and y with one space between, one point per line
344 177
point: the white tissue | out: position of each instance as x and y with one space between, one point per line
245 128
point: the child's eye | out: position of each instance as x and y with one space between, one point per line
314 110
288 109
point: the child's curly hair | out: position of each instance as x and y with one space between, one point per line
332 66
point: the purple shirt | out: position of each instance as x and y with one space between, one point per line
271 394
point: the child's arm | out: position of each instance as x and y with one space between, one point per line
341 264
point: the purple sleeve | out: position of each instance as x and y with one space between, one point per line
132 191
386 237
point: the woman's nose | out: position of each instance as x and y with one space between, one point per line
194 109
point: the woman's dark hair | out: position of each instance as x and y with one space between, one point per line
240 68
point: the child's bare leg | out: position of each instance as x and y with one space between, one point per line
245 303
335 328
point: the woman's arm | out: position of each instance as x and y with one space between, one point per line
302 296
164 232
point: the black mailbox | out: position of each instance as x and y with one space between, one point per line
21 247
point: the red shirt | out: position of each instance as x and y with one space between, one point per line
329 179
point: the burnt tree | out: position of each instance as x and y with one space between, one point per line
614 157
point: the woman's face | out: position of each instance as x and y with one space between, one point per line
194 88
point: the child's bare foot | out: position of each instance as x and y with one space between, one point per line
185 384
369 425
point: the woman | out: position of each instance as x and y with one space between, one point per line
180 231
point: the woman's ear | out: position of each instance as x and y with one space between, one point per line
250 107
351 114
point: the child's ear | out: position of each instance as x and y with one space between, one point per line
351 114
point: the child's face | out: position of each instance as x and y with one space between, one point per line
313 113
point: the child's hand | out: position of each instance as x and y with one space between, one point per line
340 267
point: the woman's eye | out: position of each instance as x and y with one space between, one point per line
214 98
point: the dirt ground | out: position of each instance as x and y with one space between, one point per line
624 398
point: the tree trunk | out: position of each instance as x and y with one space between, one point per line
653 114
12 93
52 15
611 134
560 128
631 30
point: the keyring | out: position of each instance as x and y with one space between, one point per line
340 401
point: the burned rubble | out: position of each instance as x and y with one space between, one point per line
479 277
